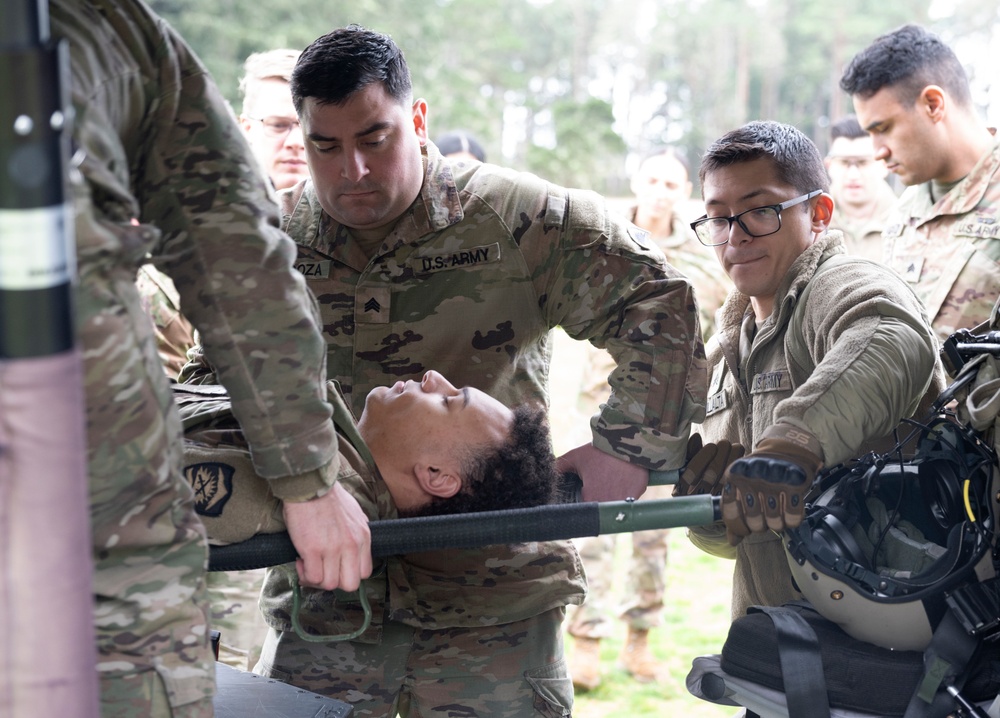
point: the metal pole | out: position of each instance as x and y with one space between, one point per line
47 664
540 523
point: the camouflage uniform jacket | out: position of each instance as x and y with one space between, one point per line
153 151
469 283
157 143
863 238
699 264
949 250
846 355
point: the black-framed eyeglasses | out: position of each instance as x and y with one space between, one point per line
276 126
757 222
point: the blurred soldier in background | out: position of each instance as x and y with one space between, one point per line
861 196
269 118
662 207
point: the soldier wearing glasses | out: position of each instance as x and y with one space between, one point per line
818 355
269 118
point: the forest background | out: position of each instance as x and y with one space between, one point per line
578 90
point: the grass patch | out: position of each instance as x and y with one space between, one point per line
695 622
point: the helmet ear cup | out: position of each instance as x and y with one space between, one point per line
941 490
829 533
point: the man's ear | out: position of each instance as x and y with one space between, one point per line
822 213
420 120
933 100
437 481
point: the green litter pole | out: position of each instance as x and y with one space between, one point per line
551 522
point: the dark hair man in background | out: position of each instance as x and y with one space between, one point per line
911 94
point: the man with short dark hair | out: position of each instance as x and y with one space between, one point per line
819 355
911 94
418 262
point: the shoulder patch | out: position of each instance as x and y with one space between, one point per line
555 210
640 236
212 483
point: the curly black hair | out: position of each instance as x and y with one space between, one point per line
518 474
907 59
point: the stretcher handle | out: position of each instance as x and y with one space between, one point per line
551 522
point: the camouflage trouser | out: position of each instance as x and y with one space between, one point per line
153 653
514 669
643 600
233 596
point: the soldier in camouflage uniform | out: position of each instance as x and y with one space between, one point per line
268 116
862 198
417 262
912 95
272 130
662 190
157 143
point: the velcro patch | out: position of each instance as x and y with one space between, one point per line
441 261
314 269
640 236
909 268
716 402
771 381
979 226
213 485
371 306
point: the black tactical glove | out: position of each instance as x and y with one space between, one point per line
705 467
767 488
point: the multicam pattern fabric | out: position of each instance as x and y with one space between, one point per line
469 283
174 333
700 265
846 356
158 144
648 558
949 250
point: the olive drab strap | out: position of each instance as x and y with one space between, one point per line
801 663
347 424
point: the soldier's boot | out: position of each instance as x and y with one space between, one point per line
585 663
637 659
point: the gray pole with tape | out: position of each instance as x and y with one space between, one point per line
47 663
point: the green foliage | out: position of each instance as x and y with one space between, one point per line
579 125
567 88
